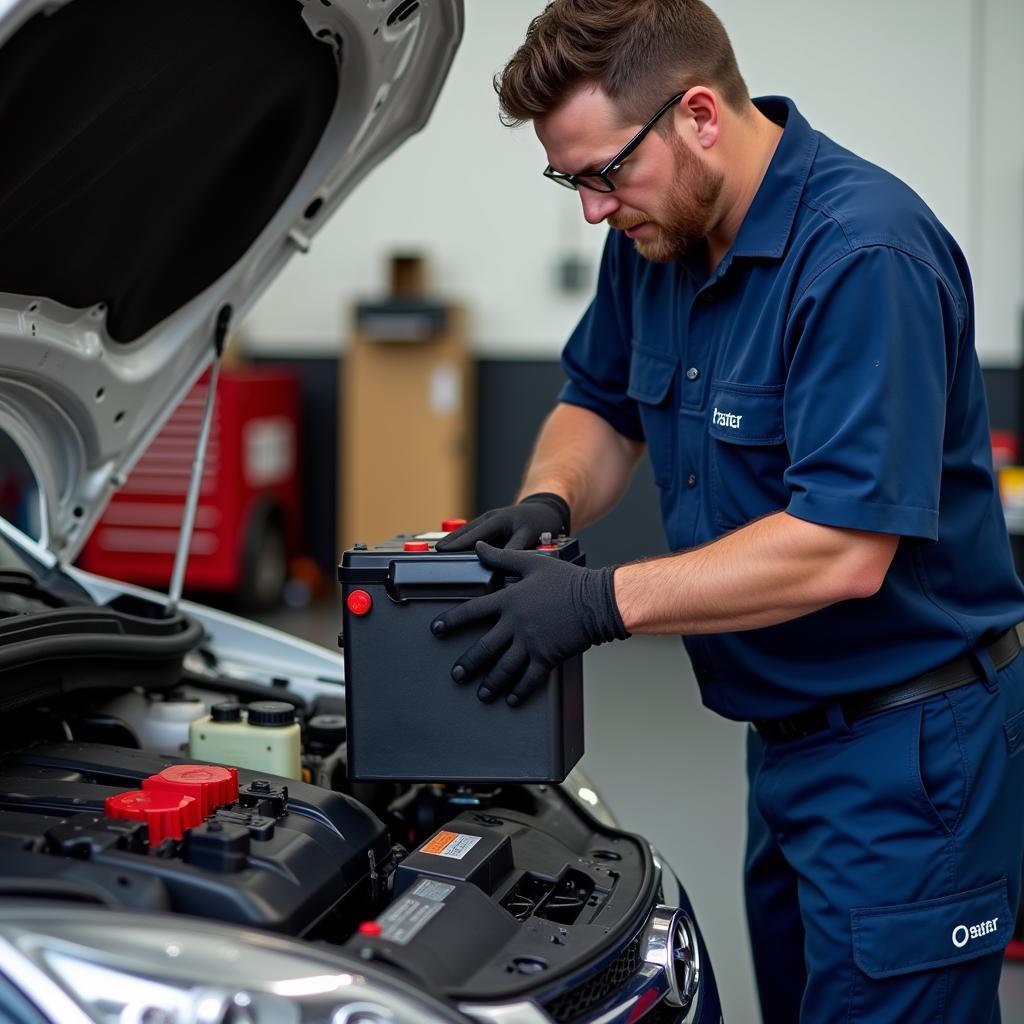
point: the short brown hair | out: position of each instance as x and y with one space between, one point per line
639 52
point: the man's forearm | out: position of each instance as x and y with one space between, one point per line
772 570
581 457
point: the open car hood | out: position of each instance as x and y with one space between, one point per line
162 162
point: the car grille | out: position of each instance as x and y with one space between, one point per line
577 1001
662 1014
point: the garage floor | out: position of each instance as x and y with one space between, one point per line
674 772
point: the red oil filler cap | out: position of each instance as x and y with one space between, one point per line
208 784
167 814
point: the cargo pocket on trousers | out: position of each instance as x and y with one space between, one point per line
650 384
1014 729
888 941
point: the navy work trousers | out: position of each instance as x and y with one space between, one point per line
883 863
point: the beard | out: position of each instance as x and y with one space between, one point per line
688 212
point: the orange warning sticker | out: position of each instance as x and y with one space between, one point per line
450 844
439 842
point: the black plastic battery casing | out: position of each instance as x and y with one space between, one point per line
407 719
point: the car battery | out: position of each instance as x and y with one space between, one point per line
407 719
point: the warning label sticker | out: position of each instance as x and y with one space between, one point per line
450 844
407 916
431 890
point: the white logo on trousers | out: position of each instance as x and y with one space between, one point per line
962 934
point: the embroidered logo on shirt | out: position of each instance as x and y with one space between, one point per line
726 419
962 934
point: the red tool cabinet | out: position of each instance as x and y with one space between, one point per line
247 520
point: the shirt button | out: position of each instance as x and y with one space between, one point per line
692 373
710 297
691 480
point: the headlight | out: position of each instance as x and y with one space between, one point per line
86 966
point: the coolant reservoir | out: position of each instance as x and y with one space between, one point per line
160 723
266 740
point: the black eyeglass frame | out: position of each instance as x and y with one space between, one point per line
574 181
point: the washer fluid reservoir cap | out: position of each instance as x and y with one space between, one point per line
229 712
271 713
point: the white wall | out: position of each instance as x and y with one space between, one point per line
931 89
997 183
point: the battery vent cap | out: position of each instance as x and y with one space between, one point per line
452 524
416 545
208 784
167 814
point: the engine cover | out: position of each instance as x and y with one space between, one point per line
284 855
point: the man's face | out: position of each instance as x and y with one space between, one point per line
665 195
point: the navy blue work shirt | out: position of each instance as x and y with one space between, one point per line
826 368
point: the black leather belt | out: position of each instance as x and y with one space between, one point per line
958 672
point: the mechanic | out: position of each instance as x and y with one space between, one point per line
789 331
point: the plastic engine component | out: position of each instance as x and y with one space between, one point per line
167 814
294 859
209 785
494 904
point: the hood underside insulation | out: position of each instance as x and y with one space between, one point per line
147 145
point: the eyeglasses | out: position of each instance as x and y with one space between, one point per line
599 181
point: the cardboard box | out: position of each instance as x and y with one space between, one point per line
406 421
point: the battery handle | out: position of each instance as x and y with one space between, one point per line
450 579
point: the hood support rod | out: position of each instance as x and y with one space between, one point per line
195 484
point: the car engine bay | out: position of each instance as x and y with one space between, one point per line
471 892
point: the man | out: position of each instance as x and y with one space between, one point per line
789 330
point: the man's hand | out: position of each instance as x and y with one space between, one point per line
556 610
515 526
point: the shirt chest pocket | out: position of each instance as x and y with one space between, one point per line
748 453
651 374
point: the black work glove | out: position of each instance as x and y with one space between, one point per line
515 526
556 610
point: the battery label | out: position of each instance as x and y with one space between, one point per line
406 918
431 890
450 844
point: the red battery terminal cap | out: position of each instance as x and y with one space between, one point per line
371 929
452 524
208 784
359 602
167 814
415 545
547 547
